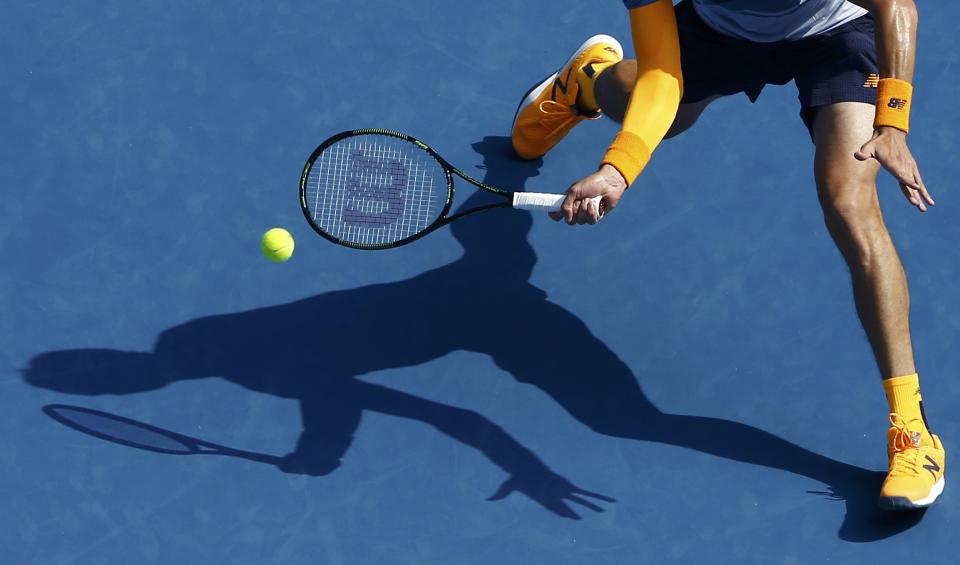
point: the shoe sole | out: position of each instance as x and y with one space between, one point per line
538 88
904 503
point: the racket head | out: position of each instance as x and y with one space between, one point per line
375 189
124 431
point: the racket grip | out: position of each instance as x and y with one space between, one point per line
541 201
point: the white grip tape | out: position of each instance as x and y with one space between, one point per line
541 201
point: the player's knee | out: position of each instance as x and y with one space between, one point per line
856 224
847 199
847 211
623 76
613 88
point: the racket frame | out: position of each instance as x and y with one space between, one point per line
443 218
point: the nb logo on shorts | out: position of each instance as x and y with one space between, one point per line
873 81
897 103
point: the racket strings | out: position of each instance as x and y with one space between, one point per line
374 190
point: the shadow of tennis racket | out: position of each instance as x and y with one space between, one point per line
132 433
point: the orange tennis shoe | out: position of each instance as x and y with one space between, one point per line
916 472
551 108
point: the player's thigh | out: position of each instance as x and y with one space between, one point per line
839 130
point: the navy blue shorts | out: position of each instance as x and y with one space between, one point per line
837 66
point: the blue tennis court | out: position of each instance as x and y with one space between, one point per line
506 390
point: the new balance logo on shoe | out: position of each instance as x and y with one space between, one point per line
561 85
933 467
554 105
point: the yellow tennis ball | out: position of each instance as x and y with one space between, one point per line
277 245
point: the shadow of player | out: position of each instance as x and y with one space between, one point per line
319 345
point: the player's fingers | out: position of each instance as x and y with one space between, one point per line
907 193
901 167
583 214
591 212
865 152
913 196
569 206
904 167
923 187
556 216
914 187
904 174
607 204
575 212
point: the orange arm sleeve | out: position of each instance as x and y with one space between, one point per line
656 95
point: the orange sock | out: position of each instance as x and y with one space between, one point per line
903 395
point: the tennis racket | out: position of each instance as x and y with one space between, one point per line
131 433
380 189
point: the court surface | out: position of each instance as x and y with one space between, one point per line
507 391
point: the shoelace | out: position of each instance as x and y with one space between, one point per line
557 116
905 443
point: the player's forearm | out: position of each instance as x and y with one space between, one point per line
657 92
896 36
896 39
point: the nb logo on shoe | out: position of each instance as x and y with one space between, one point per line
933 467
561 85
897 103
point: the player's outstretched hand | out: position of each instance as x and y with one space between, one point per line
889 147
577 207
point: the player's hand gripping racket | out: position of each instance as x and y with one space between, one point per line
378 189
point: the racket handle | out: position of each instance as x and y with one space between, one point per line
541 201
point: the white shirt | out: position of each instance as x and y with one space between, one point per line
765 21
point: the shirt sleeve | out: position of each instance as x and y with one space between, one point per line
659 87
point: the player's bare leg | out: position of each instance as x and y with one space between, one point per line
851 208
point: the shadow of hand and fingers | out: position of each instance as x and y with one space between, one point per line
319 345
527 474
553 492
